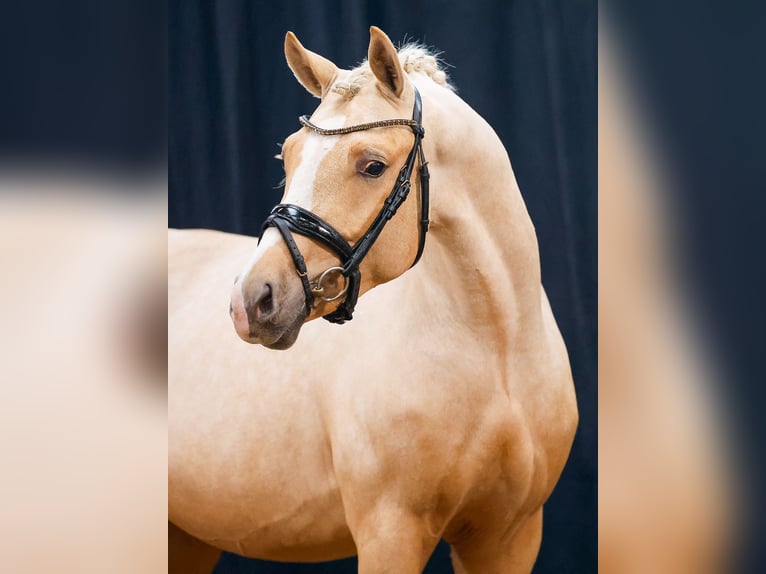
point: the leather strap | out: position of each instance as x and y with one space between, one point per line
306 122
306 223
300 264
425 179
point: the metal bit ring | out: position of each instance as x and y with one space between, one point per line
317 288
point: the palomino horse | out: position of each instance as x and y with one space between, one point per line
445 409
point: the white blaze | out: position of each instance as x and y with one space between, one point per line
301 192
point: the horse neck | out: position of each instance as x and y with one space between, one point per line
481 263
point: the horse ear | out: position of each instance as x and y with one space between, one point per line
384 61
314 72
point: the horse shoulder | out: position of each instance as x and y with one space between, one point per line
429 452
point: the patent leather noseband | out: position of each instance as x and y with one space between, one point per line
289 219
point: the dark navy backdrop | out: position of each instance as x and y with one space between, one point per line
528 67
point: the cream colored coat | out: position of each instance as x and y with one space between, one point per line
445 409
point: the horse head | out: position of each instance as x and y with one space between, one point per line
345 223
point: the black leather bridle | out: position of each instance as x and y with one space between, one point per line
288 219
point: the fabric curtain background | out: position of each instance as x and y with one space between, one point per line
528 67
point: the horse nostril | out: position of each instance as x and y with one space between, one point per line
264 306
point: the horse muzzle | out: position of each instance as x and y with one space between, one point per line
266 312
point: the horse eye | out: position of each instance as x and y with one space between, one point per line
374 168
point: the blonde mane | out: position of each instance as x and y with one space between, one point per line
415 58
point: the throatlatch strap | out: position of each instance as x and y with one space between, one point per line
425 179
